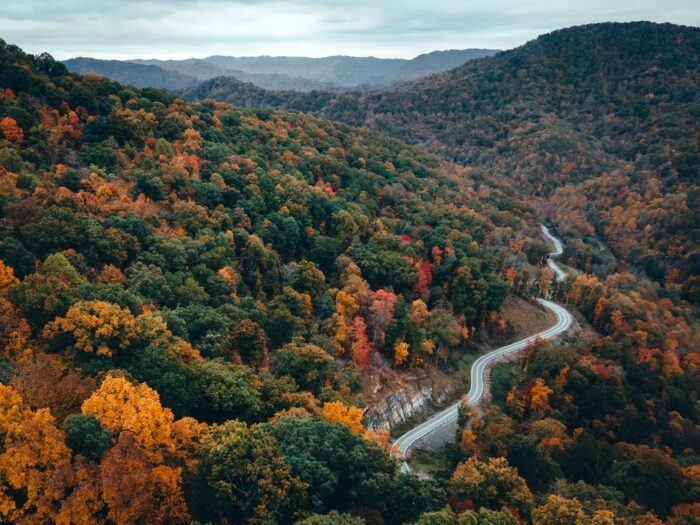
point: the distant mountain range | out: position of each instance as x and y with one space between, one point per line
277 73
137 75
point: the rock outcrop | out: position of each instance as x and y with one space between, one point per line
393 398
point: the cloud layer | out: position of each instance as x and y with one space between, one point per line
387 28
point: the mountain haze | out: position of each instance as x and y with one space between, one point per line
346 71
137 75
276 73
201 69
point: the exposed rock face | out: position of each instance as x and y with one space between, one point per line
395 398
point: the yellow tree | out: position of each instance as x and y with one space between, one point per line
95 327
106 328
400 352
550 434
7 278
125 408
492 484
467 442
345 310
32 449
348 415
419 313
560 511
539 397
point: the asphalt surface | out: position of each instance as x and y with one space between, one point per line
403 444
558 250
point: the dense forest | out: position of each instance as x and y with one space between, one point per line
605 116
190 295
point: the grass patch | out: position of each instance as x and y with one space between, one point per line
465 363
426 462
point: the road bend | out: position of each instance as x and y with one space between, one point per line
403 444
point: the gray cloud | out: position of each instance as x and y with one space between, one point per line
401 28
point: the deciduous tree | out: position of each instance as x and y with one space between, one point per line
381 313
244 476
31 451
11 132
348 415
137 492
246 343
492 484
46 382
125 408
401 352
308 364
360 348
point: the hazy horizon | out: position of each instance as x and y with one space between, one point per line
204 57
156 29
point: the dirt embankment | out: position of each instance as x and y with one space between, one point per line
523 319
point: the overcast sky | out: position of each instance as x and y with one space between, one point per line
385 28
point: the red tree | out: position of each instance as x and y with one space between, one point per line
360 345
11 131
425 277
382 311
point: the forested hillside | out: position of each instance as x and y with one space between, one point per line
352 71
606 117
190 293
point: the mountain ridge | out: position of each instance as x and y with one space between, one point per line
274 73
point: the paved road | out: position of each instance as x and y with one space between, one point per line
558 250
403 444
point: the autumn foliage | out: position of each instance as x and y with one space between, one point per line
196 301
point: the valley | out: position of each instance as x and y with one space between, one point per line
226 283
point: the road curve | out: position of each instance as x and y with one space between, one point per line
558 250
403 444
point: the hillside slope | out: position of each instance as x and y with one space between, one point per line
615 107
430 64
178 75
190 295
137 75
180 280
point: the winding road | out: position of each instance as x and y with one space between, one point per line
404 443
558 250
